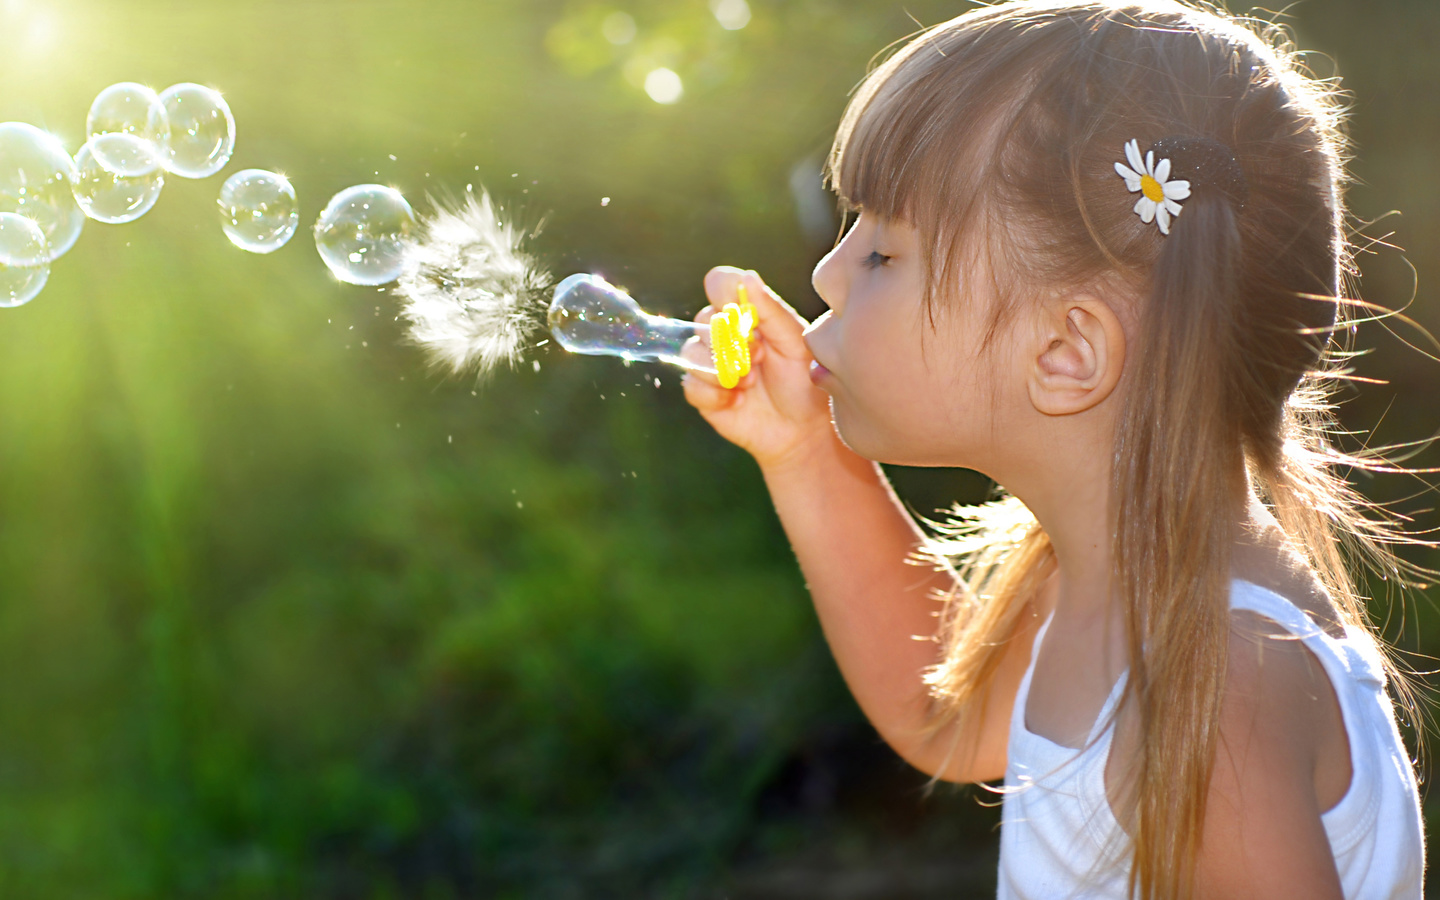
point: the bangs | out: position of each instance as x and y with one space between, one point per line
894 143
922 139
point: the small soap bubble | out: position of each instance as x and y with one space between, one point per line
106 196
258 210
35 178
133 109
125 154
24 259
362 232
202 130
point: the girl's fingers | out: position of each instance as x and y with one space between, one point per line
780 324
704 393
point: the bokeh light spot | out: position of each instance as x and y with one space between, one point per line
731 14
619 28
664 86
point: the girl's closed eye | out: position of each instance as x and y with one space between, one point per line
875 260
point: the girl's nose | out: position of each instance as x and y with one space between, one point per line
828 279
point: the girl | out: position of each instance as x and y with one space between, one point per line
1098 258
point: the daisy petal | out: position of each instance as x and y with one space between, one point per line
1172 207
1145 208
1162 218
1150 163
1132 180
1177 190
1162 170
1132 154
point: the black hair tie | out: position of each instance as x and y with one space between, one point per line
1205 163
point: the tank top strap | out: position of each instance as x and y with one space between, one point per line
1355 654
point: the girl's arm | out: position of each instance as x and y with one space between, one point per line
852 538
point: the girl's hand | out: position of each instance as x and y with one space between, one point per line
775 413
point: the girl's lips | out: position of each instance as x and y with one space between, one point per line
818 373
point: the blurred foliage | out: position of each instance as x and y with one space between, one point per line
283 615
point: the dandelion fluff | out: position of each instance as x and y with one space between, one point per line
472 296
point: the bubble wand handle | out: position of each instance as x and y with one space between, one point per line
591 316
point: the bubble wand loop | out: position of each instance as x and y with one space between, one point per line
591 316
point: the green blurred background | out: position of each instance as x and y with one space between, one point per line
283 615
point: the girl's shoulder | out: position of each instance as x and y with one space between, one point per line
1282 703
1268 565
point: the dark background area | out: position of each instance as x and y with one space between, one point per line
284 615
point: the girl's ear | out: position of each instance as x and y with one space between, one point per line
1078 355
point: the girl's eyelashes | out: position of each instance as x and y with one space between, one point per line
875 260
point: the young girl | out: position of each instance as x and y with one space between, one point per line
1098 257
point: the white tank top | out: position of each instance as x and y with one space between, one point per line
1059 838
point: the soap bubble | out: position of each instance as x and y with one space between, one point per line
109 197
133 109
202 130
258 210
361 234
589 315
35 178
124 154
24 259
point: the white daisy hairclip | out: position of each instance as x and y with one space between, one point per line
1201 161
1159 195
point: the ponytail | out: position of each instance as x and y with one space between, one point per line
1175 501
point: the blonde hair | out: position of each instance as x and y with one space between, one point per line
995 135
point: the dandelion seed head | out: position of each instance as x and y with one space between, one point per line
472 296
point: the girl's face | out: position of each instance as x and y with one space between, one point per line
904 390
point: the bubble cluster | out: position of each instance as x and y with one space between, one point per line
362 232
202 130
135 110
258 210
35 178
136 138
104 194
24 259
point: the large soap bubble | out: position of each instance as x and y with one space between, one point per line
35 178
258 210
202 130
107 196
362 233
133 109
24 259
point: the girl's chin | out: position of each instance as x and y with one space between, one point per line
853 435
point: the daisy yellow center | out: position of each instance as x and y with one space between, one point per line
1152 189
